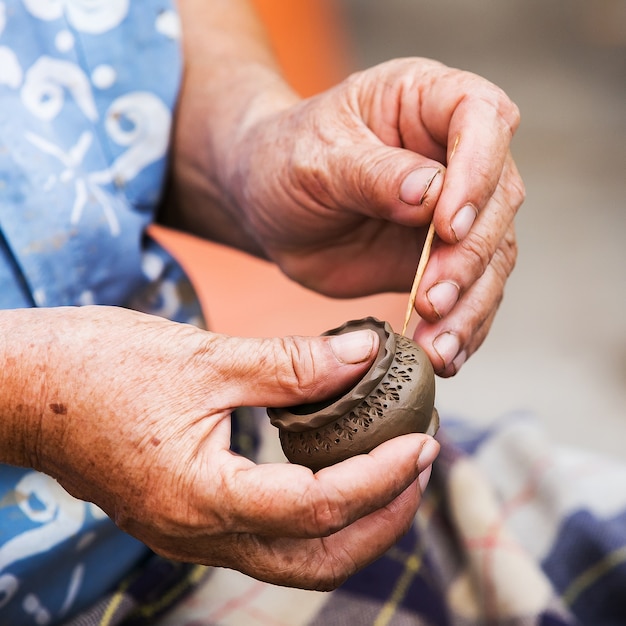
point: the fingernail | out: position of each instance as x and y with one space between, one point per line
424 477
447 346
427 455
356 347
443 296
459 360
463 220
416 185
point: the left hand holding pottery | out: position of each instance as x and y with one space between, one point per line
135 417
395 397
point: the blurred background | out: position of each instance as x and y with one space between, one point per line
558 346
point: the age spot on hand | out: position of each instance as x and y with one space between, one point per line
58 408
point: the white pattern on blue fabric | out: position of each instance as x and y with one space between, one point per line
87 92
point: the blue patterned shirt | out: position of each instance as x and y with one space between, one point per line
87 92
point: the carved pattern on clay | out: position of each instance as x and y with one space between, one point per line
362 416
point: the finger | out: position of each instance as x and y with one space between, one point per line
323 564
479 134
366 177
393 184
375 162
286 370
453 269
453 339
290 501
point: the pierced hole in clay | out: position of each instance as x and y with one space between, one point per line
399 399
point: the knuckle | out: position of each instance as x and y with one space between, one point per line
509 249
477 310
505 257
504 107
318 568
519 191
334 579
510 113
332 570
516 116
294 366
482 175
514 188
322 515
475 249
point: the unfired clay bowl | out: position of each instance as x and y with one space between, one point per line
395 397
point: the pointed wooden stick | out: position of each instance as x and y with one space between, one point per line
421 266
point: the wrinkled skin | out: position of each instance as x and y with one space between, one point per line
134 415
133 412
347 230
339 190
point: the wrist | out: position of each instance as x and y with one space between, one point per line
231 81
212 146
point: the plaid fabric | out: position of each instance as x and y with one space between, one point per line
512 531
145 595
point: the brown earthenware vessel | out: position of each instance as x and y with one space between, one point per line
395 397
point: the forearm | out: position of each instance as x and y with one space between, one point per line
58 371
25 384
231 80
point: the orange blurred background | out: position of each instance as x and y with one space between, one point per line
244 296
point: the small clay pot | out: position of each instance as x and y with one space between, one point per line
395 397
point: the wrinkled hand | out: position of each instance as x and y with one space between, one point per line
339 191
136 418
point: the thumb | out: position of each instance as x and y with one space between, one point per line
292 370
387 182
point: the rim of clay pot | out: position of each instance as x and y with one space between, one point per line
317 414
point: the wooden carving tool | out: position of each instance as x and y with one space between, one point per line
421 266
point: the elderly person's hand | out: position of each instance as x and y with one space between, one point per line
132 412
339 189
